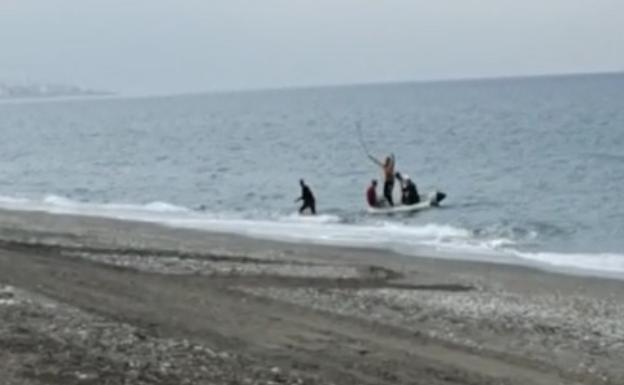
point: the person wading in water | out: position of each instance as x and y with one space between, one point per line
307 197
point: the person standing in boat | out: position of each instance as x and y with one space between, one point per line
388 172
307 197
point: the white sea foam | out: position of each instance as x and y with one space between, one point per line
596 262
321 218
429 239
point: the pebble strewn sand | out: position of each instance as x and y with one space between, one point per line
446 322
49 342
177 265
579 334
7 296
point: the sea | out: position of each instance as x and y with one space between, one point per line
533 168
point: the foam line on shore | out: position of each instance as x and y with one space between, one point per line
439 240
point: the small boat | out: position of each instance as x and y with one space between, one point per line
433 199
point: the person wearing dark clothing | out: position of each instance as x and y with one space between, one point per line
409 194
307 197
371 194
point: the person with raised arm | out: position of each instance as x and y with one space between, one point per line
388 172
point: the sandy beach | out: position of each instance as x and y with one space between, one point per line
98 301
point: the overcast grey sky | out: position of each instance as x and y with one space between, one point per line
172 46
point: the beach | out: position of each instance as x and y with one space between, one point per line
87 300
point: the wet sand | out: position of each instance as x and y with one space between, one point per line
98 301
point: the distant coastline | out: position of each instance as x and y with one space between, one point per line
47 91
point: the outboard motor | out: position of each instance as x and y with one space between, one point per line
437 198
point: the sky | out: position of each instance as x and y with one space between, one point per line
179 46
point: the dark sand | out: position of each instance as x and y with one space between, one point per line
97 301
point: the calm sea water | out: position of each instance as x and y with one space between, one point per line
533 168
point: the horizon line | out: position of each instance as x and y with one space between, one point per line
114 95
372 83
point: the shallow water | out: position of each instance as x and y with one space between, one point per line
533 168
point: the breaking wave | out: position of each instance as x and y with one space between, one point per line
432 239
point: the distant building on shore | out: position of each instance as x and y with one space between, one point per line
45 91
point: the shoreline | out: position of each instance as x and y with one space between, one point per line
267 312
500 258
